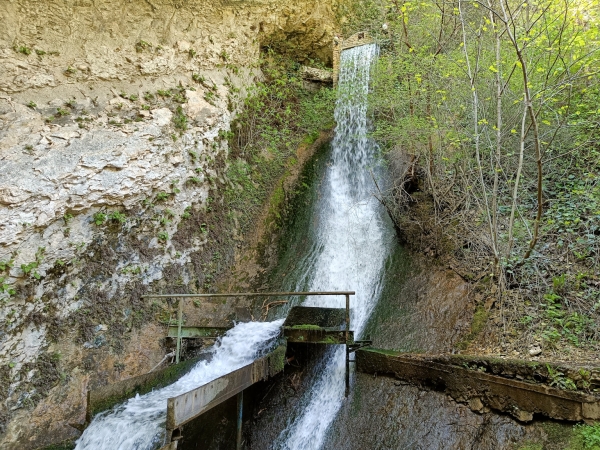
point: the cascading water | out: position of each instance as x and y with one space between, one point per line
350 246
349 252
140 422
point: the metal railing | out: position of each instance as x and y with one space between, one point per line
172 423
347 294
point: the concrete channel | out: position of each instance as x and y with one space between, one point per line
521 389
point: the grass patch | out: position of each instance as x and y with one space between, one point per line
480 318
180 120
565 437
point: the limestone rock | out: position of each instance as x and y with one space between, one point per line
314 74
110 150
475 404
535 351
522 416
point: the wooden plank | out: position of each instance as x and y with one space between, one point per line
185 407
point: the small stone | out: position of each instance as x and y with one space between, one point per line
100 327
314 74
83 68
183 46
176 159
523 416
97 342
475 404
535 351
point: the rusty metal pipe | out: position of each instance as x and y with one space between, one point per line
347 349
240 409
179 320
248 294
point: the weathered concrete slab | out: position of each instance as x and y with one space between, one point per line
311 325
479 389
578 376
360 38
331 318
105 397
185 407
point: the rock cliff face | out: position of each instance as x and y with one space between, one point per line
114 119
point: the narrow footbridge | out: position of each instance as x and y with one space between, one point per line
303 325
518 388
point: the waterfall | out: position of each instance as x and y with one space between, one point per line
139 423
350 248
350 245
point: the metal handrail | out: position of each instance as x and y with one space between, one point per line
251 294
347 294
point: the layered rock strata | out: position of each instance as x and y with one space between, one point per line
114 120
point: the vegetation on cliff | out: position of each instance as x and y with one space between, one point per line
278 115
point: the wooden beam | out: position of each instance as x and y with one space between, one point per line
197 332
188 406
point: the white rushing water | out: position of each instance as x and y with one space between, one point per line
351 242
350 249
140 422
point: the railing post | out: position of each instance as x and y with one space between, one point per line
347 316
240 409
347 349
179 320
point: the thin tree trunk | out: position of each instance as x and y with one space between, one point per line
509 20
496 165
517 181
476 127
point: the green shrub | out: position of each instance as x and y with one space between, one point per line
116 216
180 120
99 218
589 435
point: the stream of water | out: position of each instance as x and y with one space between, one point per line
350 248
349 251
139 424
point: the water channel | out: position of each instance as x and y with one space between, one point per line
350 245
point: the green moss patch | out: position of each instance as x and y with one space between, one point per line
480 318
106 397
305 327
